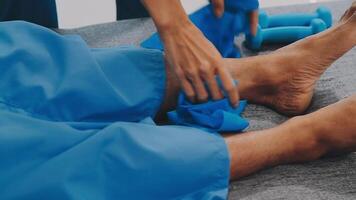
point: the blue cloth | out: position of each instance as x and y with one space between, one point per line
212 116
76 123
220 31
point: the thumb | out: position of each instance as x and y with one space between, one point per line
218 7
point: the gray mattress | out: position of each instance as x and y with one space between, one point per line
329 178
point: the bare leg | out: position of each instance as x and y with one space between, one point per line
285 79
331 129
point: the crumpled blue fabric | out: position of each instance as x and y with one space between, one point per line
213 116
76 123
220 31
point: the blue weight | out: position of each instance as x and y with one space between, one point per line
295 19
286 34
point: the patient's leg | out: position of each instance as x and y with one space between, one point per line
285 79
331 129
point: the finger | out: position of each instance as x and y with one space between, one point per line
214 89
188 90
229 86
218 7
253 22
200 90
185 84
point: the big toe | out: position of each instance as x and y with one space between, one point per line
350 14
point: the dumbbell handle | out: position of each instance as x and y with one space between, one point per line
286 34
291 20
295 19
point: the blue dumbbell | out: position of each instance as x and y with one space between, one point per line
295 19
286 34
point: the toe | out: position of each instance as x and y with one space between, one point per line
350 13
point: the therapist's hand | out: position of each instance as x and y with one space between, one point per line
196 62
194 59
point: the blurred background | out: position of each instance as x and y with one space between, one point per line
103 11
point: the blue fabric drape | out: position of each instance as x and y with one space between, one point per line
76 123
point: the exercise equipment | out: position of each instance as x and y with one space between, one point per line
286 34
295 19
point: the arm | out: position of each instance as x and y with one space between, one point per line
194 59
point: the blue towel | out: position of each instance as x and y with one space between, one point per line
212 116
220 31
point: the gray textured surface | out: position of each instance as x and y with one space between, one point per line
332 178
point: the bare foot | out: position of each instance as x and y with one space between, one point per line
285 79
349 14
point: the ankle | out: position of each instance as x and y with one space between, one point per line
311 145
255 75
243 72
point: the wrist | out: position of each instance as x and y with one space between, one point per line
168 16
173 24
175 29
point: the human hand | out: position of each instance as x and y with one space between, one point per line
196 62
194 59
